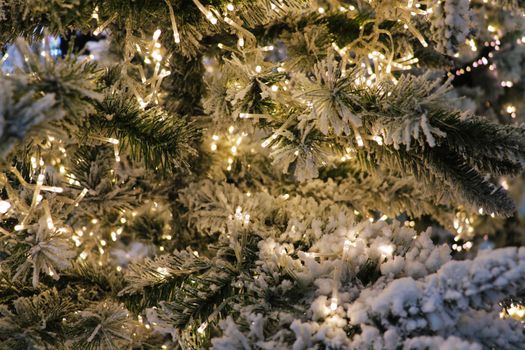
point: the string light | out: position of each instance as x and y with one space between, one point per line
153 53
176 35
202 328
333 303
387 249
104 25
163 271
510 109
4 206
515 311
207 13
359 140
378 139
156 34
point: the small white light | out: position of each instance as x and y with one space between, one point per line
379 140
163 271
333 304
359 140
4 206
156 34
40 179
202 328
387 249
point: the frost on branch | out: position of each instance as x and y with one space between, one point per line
212 247
375 285
450 22
50 251
20 111
332 96
42 91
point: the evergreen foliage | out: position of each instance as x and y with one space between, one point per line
267 174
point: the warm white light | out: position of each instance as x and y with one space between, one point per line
40 179
359 140
50 224
4 206
202 328
333 304
156 34
510 109
387 249
163 271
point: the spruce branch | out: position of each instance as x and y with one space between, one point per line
72 82
102 325
188 289
35 322
93 168
162 141
420 131
384 190
20 111
43 94
86 281
442 173
27 18
151 281
48 251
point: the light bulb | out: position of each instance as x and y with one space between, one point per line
4 206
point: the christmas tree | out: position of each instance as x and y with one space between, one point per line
262 174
